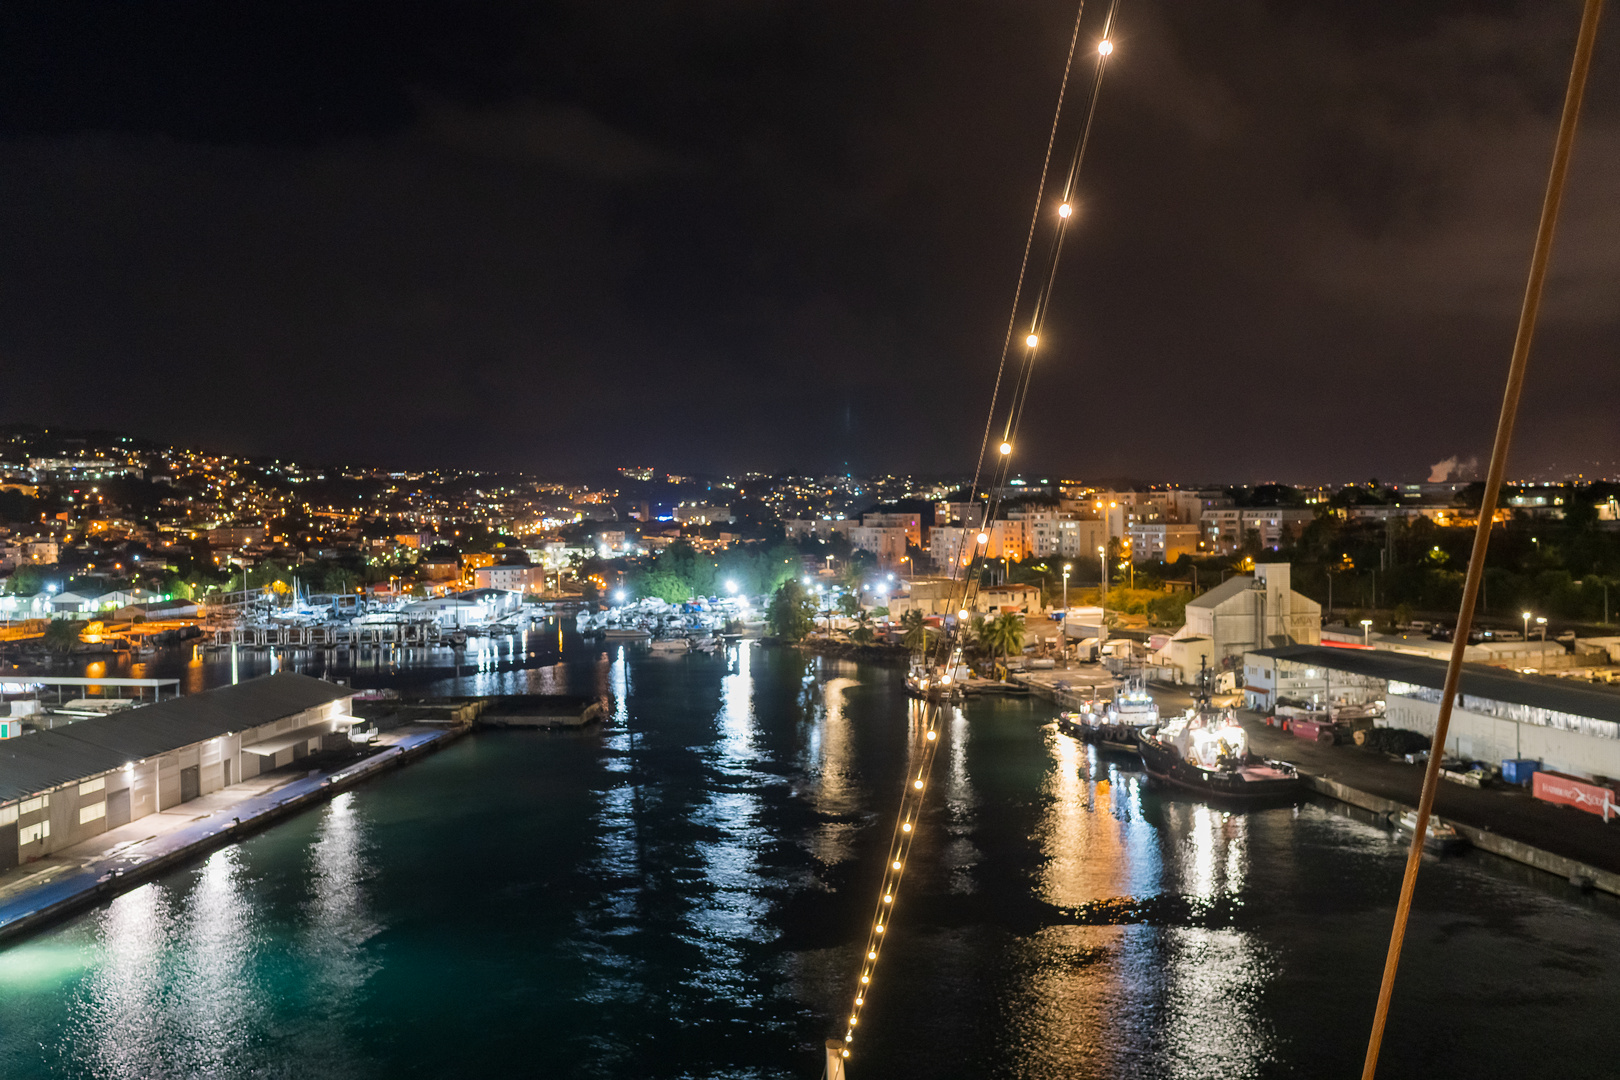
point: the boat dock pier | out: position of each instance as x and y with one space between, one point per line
37 894
325 635
1070 688
1504 821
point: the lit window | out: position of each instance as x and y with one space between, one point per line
92 812
90 787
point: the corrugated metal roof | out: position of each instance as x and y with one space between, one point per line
41 760
276 744
1479 680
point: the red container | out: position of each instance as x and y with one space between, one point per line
1568 791
1313 730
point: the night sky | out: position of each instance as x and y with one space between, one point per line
726 235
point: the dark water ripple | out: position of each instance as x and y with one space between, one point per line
684 894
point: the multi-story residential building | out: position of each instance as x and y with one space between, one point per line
513 578
916 520
235 536
1059 534
1162 540
952 545
702 514
888 543
825 528
1225 528
960 513
1187 507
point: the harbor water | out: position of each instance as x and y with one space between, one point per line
684 891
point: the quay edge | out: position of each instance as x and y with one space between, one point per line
308 793
1572 870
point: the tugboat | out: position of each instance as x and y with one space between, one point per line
1207 751
1116 724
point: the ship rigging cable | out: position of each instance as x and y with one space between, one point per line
966 570
1487 508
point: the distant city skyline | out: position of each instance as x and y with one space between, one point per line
789 240
80 441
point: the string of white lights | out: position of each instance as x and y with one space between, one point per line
966 572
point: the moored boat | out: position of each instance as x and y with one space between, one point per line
931 684
1441 837
1113 725
1208 753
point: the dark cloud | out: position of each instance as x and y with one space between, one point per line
730 235
568 138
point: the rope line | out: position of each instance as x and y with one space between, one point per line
1023 265
966 572
1539 258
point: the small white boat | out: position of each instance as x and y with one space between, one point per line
1441 837
626 633
671 645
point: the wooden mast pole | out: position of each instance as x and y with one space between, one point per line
1487 509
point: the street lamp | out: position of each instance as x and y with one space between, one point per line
1527 626
1541 625
1102 598
1366 625
731 587
1066 568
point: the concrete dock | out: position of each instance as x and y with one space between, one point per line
41 892
1503 820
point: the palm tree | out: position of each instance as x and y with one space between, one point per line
970 633
916 631
862 633
61 635
1004 635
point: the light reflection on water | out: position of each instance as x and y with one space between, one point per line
1121 999
115 1032
341 920
677 894
729 911
213 981
834 790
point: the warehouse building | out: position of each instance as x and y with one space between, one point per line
1568 726
1245 612
63 786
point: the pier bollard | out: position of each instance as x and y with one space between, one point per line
835 1059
